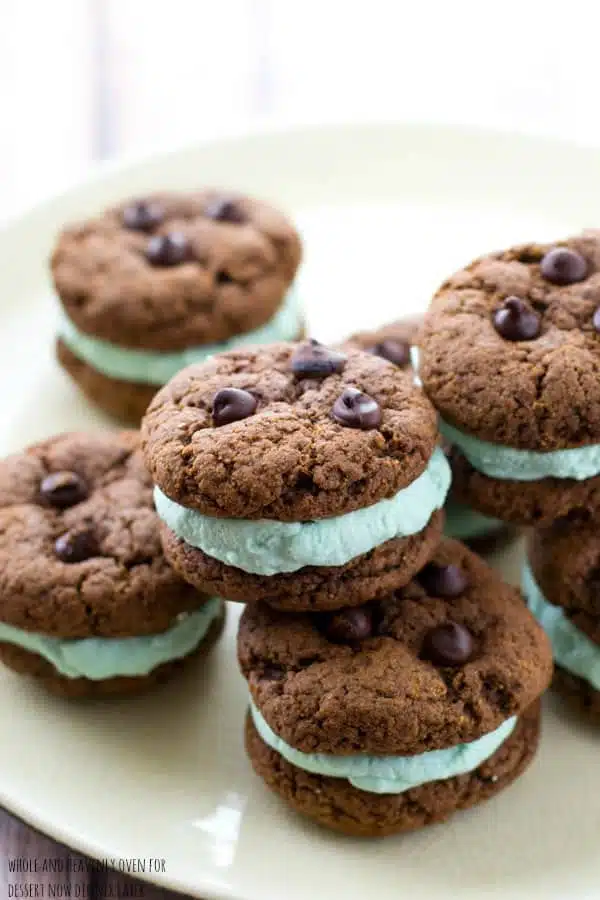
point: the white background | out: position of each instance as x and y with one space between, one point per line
82 80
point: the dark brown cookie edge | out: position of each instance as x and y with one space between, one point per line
374 574
36 667
335 804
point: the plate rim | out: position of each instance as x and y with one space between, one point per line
101 174
100 171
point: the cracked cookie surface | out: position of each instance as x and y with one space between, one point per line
380 695
539 394
123 585
233 279
289 459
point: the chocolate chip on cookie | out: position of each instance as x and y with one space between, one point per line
561 265
63 489
449 644
168 249
349 625
232 405
76 546
355 409
392 341
516 321
443 581
224 209
313 360
397 352
143 215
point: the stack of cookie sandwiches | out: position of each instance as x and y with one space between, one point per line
510 356
165 280
393 677
396 342
89 605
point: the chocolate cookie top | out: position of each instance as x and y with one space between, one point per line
565 560
441 662
510 348
168 271
80 553
392 341
288 431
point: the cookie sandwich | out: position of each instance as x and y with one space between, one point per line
510 356
296 474
397 714
165 280
560 582
88 603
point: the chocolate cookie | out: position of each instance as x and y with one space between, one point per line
297 474
364 578
510 356
397 343
375 701
165 280
561 581
88 602
337 805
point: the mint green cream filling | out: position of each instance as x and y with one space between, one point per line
151 367
390 774
572 649
497 461
267 547
98 658
463 523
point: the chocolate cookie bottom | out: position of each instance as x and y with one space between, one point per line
579 693
538 503
371 575
35 666
336 804
123 400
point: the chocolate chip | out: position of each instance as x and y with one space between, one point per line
63 489
75 546
515 320
443 581
596 319
143 215
231 405
223 209
397 352
448 645
313 360
349 625
563 266
223 277
168 249
356 410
